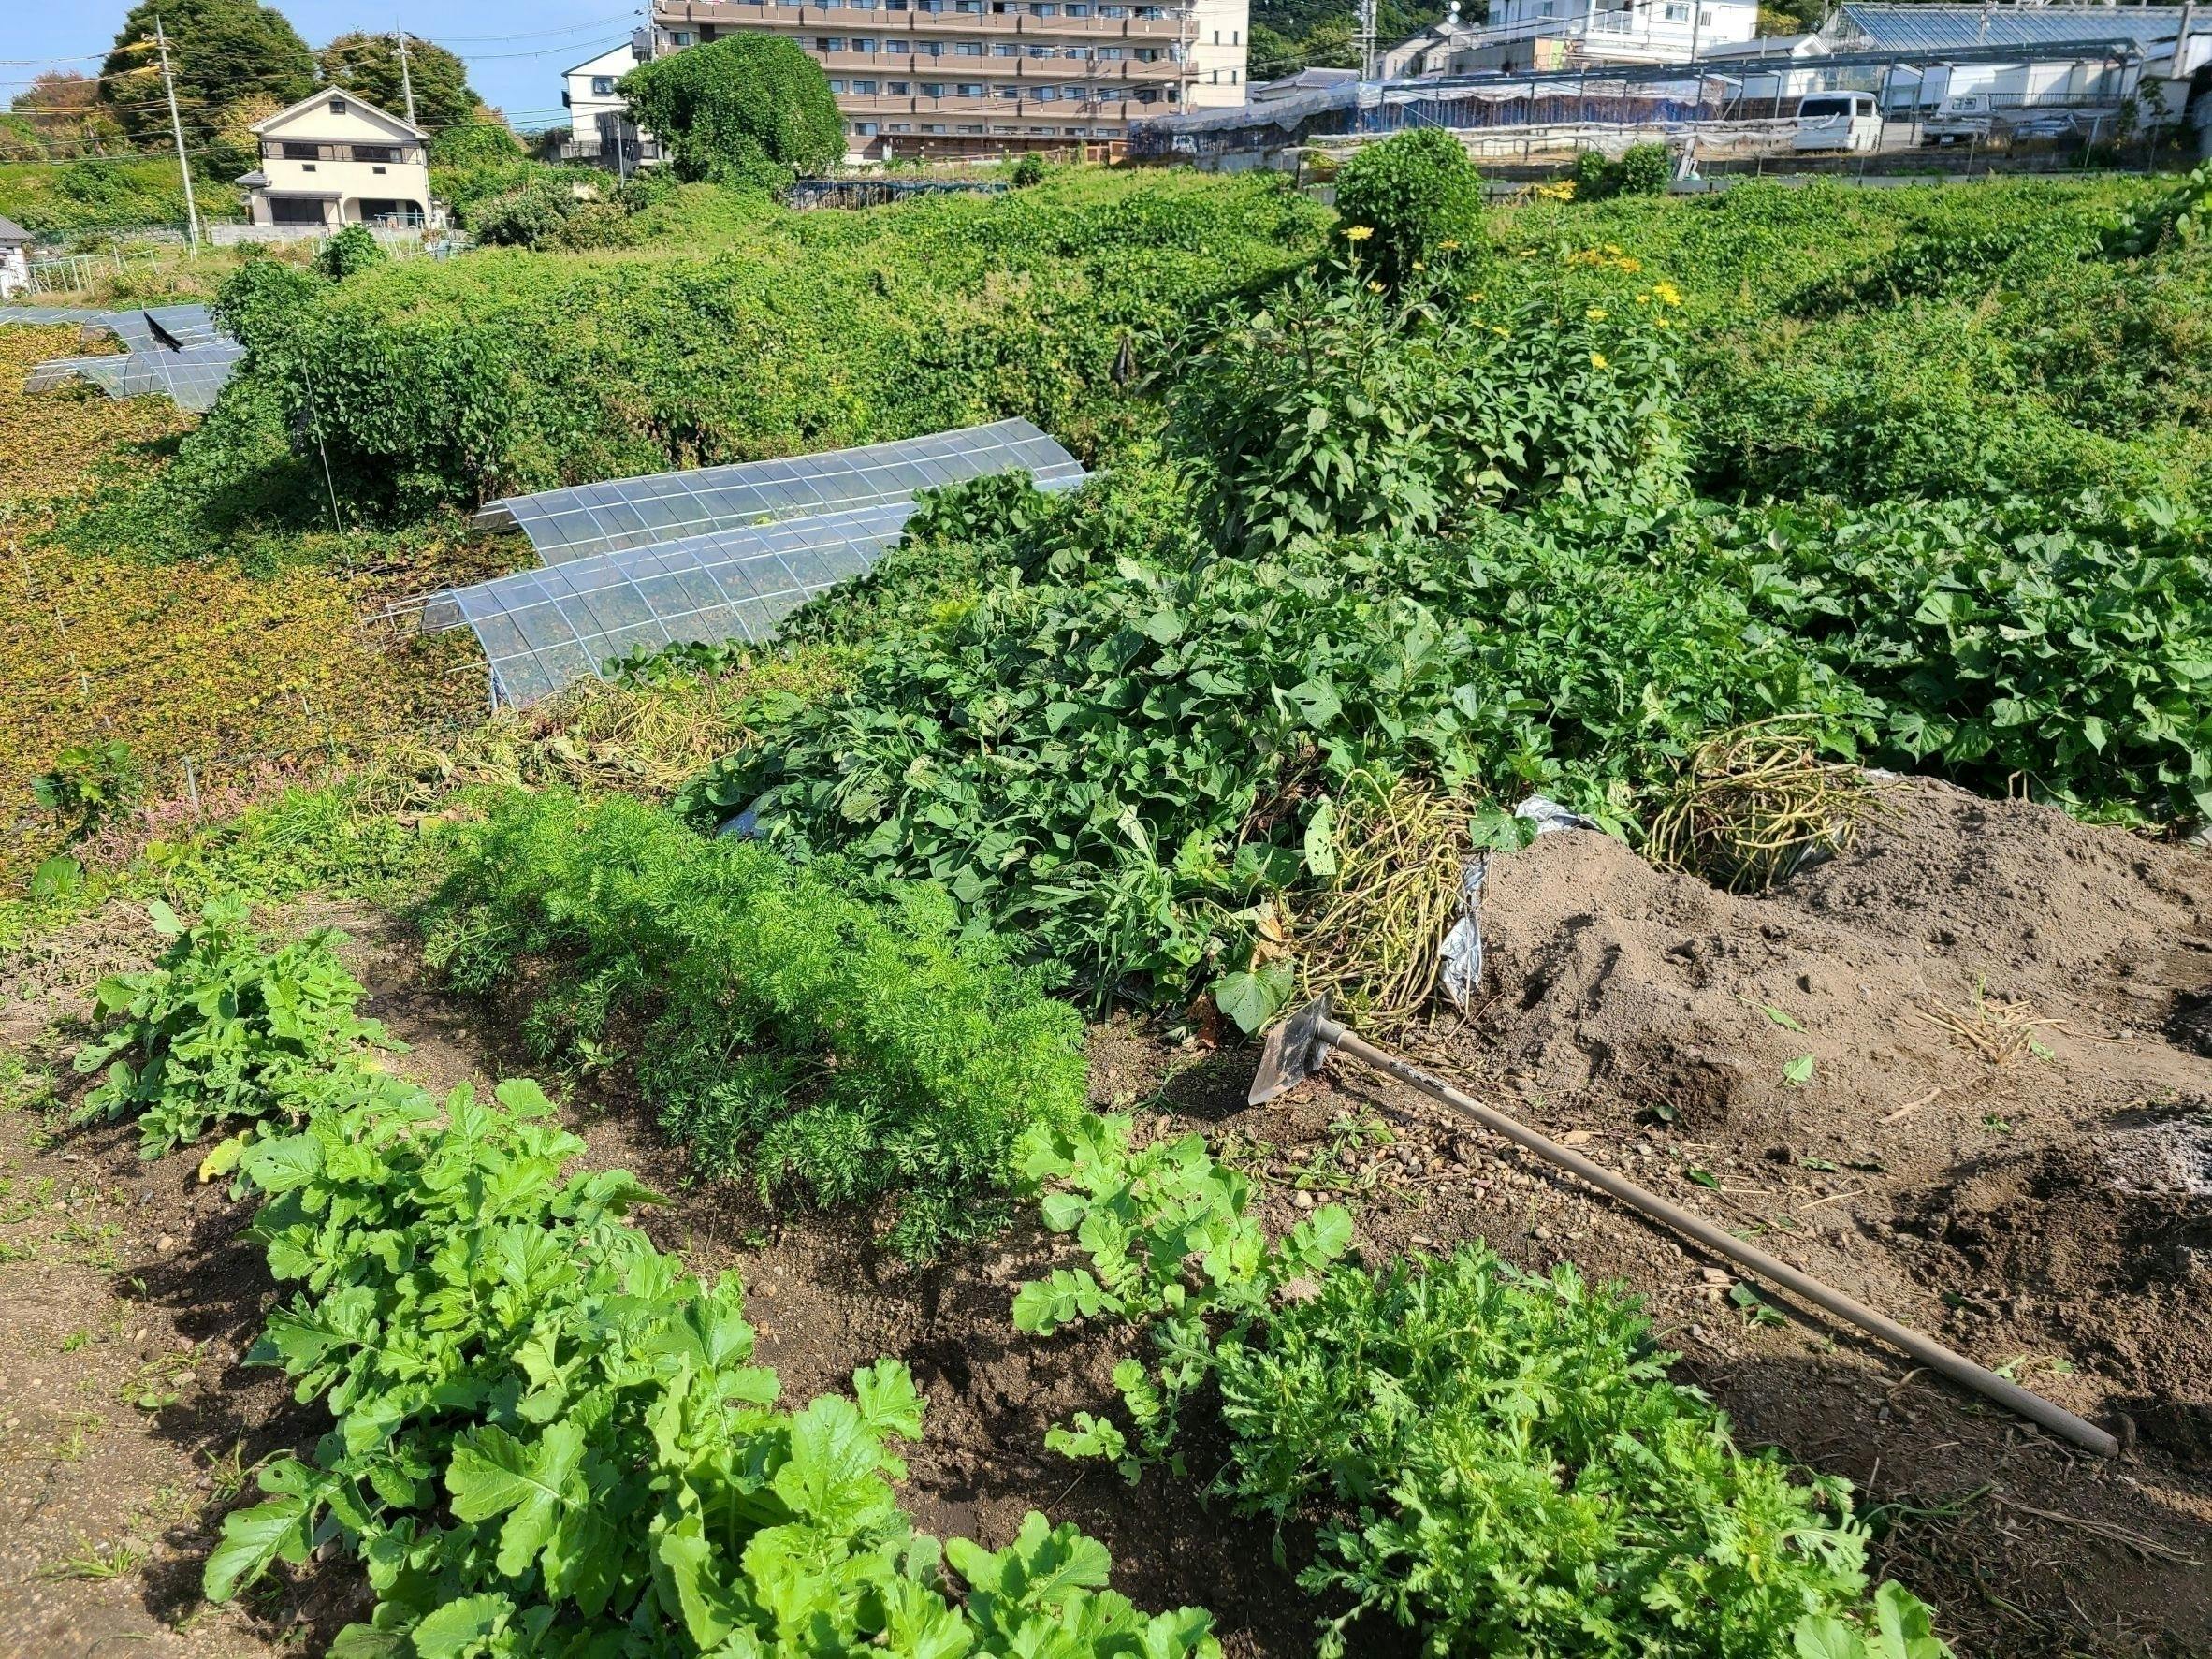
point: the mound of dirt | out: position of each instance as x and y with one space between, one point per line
1968 1019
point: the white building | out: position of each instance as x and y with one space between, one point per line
931 78
1525 35
599 128
331 160
15 258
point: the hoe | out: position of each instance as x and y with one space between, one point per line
1298 1045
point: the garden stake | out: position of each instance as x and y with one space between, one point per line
1298 1045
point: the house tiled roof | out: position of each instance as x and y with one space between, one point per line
12 234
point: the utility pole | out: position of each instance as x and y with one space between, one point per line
406 80
1367 38
176 129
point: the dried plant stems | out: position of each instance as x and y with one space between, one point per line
1754 802
1373 941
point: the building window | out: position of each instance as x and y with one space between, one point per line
899 89
861 43
865 129
1113 11
901 126
968 48
968 6
681 38
1079 9
935 129
1035 51
1677 12
837 86
933 89
1236 78
1048 95
967 89
1010 92
338 106
1236 37
295 152
864 88
1072 91
602 87
1044 10
976 127
828 43
929 48
1007 48
1110 54
376 169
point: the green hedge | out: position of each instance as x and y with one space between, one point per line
505 370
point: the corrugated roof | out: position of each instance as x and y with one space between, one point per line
1944 28
12 232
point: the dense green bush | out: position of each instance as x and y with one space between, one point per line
435 382
548 214
749 109
1338 410
835 1048
1419 193
1117 744
2067 646
1641 169
349 252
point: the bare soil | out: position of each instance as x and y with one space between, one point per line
2038 1203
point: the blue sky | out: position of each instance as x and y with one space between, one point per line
516 49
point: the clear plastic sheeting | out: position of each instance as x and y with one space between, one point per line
172 351
545 629
194 377
591 519
47 315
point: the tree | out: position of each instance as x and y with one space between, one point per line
751 109
369 64
222 52
63 108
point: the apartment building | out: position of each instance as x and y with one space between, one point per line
950 77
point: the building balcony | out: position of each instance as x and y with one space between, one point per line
911 66
874 109
877 21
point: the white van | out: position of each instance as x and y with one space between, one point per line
1838 120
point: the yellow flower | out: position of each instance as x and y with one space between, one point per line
1668 294
1614 248
1596 313
1374 288
1597 359
1419 266
1643 299
1498 329
1357 233
1448 246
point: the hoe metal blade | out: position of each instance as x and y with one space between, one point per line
1294 1051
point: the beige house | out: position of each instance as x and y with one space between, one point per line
950 77
332 160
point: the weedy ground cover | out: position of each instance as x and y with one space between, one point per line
837 1049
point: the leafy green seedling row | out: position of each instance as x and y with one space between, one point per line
547 1439
1493 1458
838 1048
